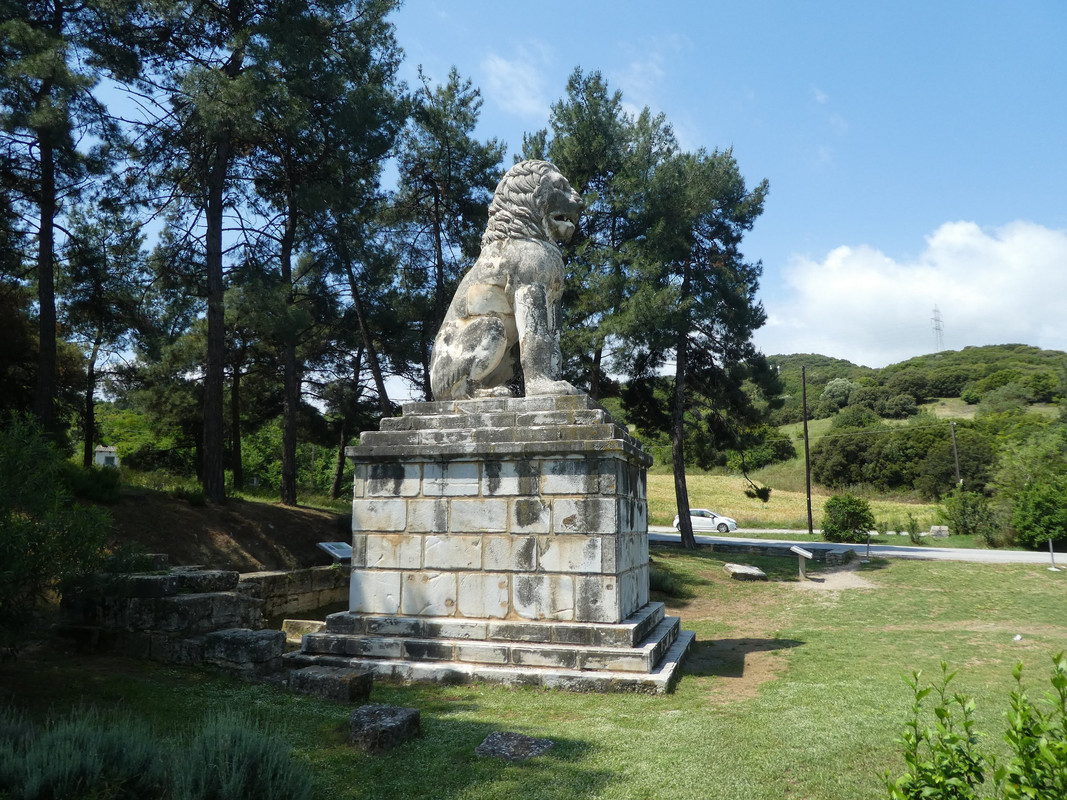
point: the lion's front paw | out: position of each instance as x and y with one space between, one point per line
544 386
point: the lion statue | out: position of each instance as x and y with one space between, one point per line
506 310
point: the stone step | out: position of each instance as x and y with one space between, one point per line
642 658
661 679
497 435
407 448
574 402
628 633
498 419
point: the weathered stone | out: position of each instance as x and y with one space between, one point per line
431 594
452 552
294 629
451 478
393 551
379 515
375 592
533 550
377 728
505 315
393 479
512 746
744 572
207 580
243 646
332 683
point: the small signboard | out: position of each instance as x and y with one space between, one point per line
802 554
340 551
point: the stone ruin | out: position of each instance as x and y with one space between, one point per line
502 540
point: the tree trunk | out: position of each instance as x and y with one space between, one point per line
45 391
425 346
339 470
235 429
368 344
89 416
594 378
439 299
290 369
214 472
681 490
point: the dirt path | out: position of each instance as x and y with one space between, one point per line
751 655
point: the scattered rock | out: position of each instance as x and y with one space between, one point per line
377 728
512 746
744 572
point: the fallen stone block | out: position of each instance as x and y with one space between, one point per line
377 728
296 628
332 683
744 572
512 746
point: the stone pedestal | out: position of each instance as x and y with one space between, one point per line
506 540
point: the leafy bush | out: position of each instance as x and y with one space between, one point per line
233 759
83 757
1038 739
943 759
98 484
46 537
1040 512
848 519
966 513
914 534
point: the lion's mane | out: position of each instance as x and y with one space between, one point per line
519 203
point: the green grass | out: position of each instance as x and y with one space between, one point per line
821 726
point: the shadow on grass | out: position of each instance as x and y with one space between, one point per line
725 658
442 763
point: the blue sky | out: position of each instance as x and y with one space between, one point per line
915 150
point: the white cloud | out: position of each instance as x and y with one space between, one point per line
517 84
821 97
992 287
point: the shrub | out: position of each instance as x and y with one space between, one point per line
233 759
1040 512
46 537
83 757
659 580
966 513
943 759
848 519
97 484
914 534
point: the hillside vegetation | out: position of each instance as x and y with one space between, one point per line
979 433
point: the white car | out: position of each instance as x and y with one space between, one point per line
704 520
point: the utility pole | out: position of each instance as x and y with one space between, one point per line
956 454
807 457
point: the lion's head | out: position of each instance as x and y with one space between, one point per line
533 201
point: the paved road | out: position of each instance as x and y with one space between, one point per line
658 533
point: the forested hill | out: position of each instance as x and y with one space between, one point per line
972 373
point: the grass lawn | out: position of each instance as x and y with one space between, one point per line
790 690
725 494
